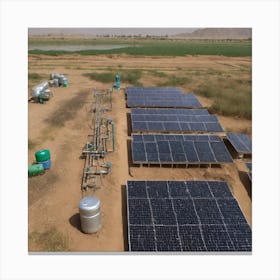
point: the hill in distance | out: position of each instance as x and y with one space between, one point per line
218 33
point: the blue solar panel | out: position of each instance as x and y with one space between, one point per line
230 211
199 189
208 211
157 189
241 236
140 126
163 147
179 149
216 238
178 189
220 151
185 211
139 211
170 111
174 120
136 189
241 142
136 90
163 213
204 152
159 98
249 166
219 189
167 239
191 238
142 238
185 216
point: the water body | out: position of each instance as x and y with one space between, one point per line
109 31
76 47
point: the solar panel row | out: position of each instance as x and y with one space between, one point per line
152 90
241 142
177 137
171 111
176 126
160 97
185 216
181 150
176 100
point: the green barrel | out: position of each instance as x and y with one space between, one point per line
42 155
35 169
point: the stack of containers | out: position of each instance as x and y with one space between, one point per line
43 157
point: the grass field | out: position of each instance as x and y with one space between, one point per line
231 95
152 47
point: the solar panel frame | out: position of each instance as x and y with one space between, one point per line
177 224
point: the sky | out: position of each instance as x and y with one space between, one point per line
111 31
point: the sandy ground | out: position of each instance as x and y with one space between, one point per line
54 197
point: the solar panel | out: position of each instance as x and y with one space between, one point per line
185 216
169 111
178 149
174 120
131 90
161 98
249 166
241 142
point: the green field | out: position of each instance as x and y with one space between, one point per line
150 47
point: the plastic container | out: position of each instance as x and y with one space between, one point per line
90 214
42 155
46 164
35 169
118 81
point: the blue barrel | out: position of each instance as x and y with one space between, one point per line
46 164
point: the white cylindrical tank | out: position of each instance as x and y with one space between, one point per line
90 214
39 89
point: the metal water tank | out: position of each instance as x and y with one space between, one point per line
39 89
90 214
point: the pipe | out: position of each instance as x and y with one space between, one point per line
113 136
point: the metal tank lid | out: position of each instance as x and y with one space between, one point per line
89 205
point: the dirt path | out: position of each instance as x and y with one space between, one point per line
54 196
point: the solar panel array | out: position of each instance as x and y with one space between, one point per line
132 90
249 166
160 97
174 120
241 142
185 216
178 149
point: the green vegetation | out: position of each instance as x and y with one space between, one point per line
105 77
231 98
175 81
159 74
51 240
158 47
34 77
130 76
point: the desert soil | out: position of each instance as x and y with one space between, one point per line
61 125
